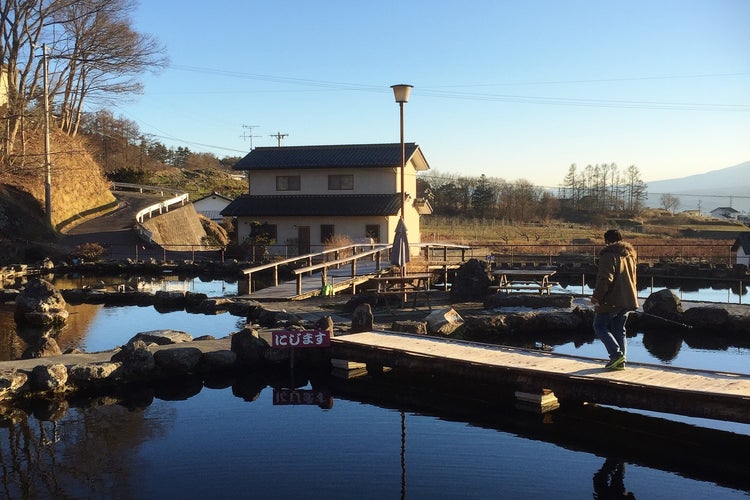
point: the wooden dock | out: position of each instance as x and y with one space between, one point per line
696 393
340 279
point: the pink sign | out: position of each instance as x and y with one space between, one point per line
304 338
301 397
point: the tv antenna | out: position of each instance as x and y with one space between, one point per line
250 135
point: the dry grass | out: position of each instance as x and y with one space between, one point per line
662 238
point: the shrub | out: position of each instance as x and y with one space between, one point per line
88 251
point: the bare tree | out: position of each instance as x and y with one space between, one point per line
635 190
104 55
93 54
669 202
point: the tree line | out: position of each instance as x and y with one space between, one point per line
592 192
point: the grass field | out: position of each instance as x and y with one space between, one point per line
660 238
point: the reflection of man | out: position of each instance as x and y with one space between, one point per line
609 481
615 296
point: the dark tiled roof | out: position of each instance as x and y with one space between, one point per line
314 205
352 155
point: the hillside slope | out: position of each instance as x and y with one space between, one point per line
724 187
78 186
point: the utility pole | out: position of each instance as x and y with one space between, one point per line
250 135
48 173
279 136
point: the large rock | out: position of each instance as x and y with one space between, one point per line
178 360
325 324
169 300
11 381
136 358
471 282
664 304
41 304
443 321
42 348
706 317
273 319
362 318
93 373
162 337
248 346
46 378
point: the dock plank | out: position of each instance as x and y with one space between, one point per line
723 395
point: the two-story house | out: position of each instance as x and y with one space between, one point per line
303 196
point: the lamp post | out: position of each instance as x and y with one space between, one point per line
401 93
47 174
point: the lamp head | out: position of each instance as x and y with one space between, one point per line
401 92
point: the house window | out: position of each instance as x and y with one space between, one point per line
373 231
265 232
340 182
287 183
326 233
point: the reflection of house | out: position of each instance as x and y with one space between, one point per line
304 196
742 247
211 206
725 213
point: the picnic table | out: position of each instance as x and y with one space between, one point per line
523 280
414 284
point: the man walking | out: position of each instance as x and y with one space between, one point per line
615 296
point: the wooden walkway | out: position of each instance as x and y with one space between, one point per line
339 279
697 393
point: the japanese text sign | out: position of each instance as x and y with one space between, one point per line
303 338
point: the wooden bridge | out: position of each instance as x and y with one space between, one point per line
347 267
695 393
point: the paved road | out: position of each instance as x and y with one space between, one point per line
115 232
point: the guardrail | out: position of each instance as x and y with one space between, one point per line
142 188
163 206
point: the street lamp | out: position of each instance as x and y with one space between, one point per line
401 93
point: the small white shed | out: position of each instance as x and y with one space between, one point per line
211 206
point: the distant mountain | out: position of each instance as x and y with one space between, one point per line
718 188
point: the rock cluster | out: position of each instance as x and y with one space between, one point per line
40 305
148 356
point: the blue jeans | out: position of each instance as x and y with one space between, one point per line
610 328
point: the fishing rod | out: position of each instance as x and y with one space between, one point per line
672 322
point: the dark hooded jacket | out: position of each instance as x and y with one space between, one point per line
615 288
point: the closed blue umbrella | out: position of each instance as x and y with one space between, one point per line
400 249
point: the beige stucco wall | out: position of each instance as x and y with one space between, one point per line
353 227
315 181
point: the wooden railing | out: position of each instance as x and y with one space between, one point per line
332 258
359 251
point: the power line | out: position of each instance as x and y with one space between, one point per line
279 137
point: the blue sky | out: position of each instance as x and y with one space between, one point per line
510 89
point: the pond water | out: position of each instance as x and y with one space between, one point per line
235 438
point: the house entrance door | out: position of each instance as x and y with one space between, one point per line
303 240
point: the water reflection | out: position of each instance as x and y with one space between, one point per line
663 345
609 481
124 445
